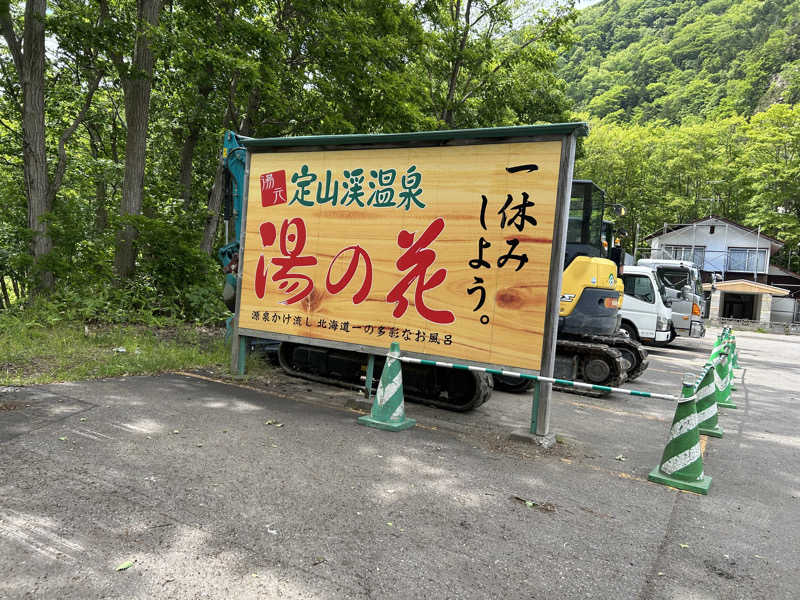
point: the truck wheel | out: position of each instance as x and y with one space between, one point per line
629 330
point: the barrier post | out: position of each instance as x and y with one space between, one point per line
369 376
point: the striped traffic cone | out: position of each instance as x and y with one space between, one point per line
706 405
682 462
731 374
388 408
719 346
734 353
722 382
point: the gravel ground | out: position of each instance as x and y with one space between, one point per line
212 490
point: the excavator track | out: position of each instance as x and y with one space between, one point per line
595 363
511 384
584 352
631 350
450 389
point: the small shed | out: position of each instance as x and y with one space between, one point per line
743 300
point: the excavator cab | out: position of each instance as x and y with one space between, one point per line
585 228
589 297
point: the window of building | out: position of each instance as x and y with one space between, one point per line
696 254
747 260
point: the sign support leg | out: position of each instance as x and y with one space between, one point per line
539 432
234 349
535 408
238 352
542 403
242 354
368 378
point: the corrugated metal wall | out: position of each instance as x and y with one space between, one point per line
785 310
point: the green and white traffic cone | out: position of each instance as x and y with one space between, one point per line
682 462
734 353
722 379
706 405
731 374
388 408
717 349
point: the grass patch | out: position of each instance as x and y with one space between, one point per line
67 351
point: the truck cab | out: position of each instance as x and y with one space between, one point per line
646 313
681 280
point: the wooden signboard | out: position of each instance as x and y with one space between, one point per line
445 249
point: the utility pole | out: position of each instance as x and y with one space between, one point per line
755 266
789 262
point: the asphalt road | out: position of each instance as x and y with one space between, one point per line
187 479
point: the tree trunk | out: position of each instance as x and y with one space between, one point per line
215 196
190 143
100 186
447 110
214 206
246 127
33 151
187 156
29 61
136 86
5 290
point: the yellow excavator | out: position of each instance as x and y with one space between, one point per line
590 347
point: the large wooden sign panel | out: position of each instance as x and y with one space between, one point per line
445 250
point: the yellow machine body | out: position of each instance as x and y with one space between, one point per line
588 272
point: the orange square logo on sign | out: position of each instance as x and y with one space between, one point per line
273 188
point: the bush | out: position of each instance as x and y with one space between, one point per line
174 282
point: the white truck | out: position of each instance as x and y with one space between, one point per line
683 286
646 315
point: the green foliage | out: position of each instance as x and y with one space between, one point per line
259 68
485 64
746 171
693 110
174 280
773 159
641 60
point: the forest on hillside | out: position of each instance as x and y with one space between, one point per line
693 106
744 169
655 60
